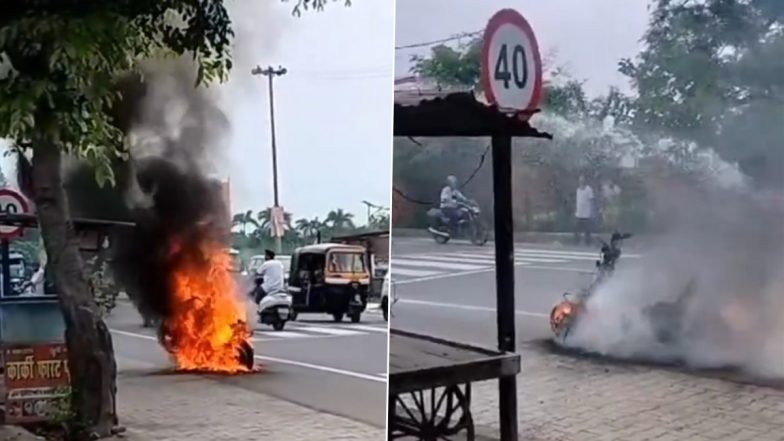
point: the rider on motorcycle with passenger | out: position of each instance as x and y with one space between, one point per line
271 273
451 200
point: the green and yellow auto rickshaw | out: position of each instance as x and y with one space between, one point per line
331 279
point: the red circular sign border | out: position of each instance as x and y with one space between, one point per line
22 201
502 17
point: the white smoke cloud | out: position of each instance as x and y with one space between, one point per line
728 248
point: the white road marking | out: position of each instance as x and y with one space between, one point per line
438 276
592 255
396 269
538 260
369 328
488 270
465 258
432 264
471 308
317 367
331 331
556 256
284 334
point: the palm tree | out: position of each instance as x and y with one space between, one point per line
243 220
340 220
303 227
264 218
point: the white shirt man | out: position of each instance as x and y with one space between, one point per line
272 272
585 197
451 196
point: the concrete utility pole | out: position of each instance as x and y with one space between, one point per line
270 73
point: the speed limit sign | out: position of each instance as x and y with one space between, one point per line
511 64
11 202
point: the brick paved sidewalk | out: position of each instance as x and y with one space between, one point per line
158 407
565 398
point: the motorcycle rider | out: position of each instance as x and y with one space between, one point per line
451 200
271 273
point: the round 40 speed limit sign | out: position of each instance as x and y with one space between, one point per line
511 64
11 202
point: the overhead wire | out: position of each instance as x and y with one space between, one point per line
430 43
465 184
440 41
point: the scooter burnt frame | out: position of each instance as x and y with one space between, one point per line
416 375
564 314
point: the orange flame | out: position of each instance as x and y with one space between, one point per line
207 327
560 313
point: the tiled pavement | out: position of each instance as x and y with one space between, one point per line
563 398
165 407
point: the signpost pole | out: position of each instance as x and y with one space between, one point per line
5 254
504 273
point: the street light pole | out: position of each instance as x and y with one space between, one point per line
270 73
369 206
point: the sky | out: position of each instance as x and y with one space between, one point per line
333 109
588 37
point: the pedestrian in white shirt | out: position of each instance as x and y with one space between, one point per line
584 211
611 193
272 274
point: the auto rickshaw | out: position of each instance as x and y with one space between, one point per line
330 278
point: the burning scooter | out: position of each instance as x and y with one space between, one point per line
566 313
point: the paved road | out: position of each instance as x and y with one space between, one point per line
449 290
335 368
563 396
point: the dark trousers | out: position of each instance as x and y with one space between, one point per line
583 228
454 214
260 294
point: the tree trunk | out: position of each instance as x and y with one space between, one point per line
90 352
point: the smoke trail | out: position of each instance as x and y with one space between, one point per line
174 129
710 293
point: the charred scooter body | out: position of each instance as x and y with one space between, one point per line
442 228
565 314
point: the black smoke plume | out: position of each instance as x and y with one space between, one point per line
165 187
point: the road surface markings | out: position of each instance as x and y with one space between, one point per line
331 331
432 264
288 334
414 273
441 276
471 308
411 268
317 367
299 330
322 368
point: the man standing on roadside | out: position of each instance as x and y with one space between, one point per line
584 211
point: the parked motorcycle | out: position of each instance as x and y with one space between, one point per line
442 228
565 314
